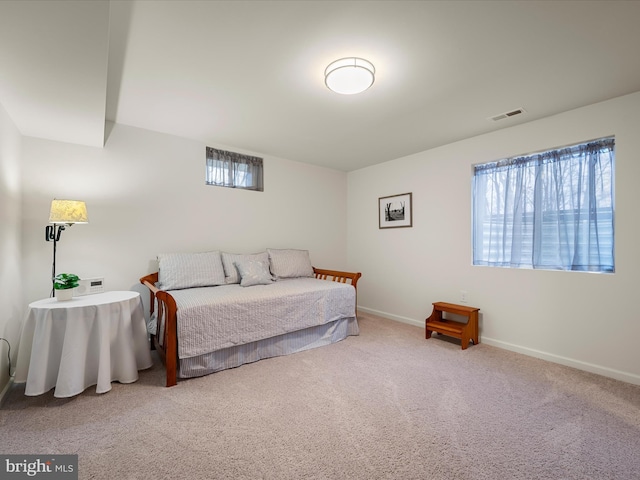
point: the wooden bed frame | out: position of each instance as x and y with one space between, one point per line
167 346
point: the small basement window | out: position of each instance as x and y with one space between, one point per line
233 170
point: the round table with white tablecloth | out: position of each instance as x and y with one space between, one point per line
89 340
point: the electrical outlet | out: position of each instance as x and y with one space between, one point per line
463 296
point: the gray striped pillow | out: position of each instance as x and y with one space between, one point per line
229 260
189 270
290 263
253 272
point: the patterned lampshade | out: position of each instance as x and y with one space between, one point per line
68 212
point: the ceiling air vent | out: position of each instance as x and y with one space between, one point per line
512 113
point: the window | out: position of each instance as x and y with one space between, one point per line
234 170
550 210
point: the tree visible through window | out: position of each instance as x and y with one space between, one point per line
550 210
234 170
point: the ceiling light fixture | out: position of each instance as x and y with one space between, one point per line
348 76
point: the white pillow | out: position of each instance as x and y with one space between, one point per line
290 263
254 272
230 269
188 270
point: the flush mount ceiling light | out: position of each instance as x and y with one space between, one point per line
348 76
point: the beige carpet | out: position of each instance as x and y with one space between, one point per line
387 404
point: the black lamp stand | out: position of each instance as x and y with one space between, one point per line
52 234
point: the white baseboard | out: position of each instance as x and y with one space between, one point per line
569 362
5 390
397 318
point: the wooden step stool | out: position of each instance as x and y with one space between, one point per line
463 331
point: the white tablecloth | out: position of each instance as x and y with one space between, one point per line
89 340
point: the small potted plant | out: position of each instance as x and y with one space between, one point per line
63 284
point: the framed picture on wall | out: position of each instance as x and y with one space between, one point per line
395 211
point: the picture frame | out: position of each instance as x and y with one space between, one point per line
395 211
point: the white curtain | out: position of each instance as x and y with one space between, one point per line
552 210
230 169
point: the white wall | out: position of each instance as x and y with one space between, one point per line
145 194
580 319
586 320
10 274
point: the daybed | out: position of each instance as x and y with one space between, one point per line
215 310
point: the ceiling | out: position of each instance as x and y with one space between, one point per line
248 75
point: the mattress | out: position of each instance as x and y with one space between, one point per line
212 319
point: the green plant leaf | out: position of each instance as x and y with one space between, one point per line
64 281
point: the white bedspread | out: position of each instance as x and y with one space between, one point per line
213 318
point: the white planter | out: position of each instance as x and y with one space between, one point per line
66 294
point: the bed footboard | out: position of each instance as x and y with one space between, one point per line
337 276
166 338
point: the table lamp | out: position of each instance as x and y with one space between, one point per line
63 213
